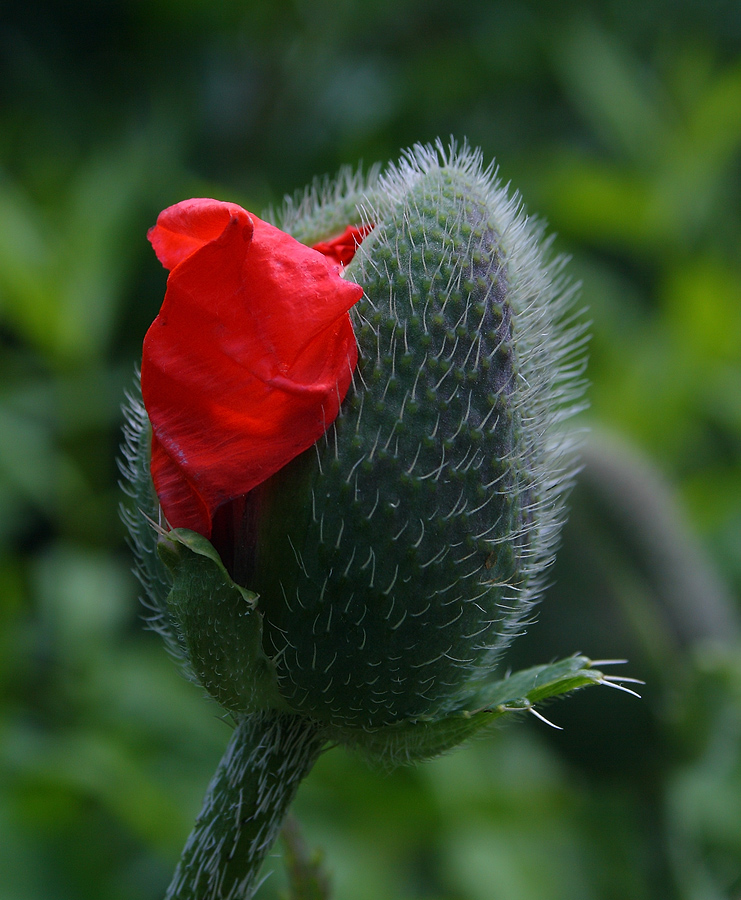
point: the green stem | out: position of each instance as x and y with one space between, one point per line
257 778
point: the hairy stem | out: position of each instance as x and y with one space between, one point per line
257 778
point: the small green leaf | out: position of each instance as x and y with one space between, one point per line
540 683
219 625
410 741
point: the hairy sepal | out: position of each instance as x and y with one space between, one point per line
218 625
142 517
413 741
437 496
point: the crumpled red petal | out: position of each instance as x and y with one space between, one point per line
248 361
342 248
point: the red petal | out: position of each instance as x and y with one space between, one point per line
342 248
186 227
248 361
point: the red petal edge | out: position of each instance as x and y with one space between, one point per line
248 361
342 248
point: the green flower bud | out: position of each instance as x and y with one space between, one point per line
432 505
393 561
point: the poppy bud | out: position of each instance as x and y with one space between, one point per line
383 570
434 500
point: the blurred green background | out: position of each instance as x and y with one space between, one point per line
620 123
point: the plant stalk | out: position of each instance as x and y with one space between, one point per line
246 802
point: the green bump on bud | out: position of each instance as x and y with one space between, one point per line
436 500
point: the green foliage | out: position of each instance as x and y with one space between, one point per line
619 122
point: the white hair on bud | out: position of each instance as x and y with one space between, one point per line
141 515
549 344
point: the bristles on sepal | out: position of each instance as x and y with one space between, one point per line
439 492
142 516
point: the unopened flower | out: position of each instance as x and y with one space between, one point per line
382 504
